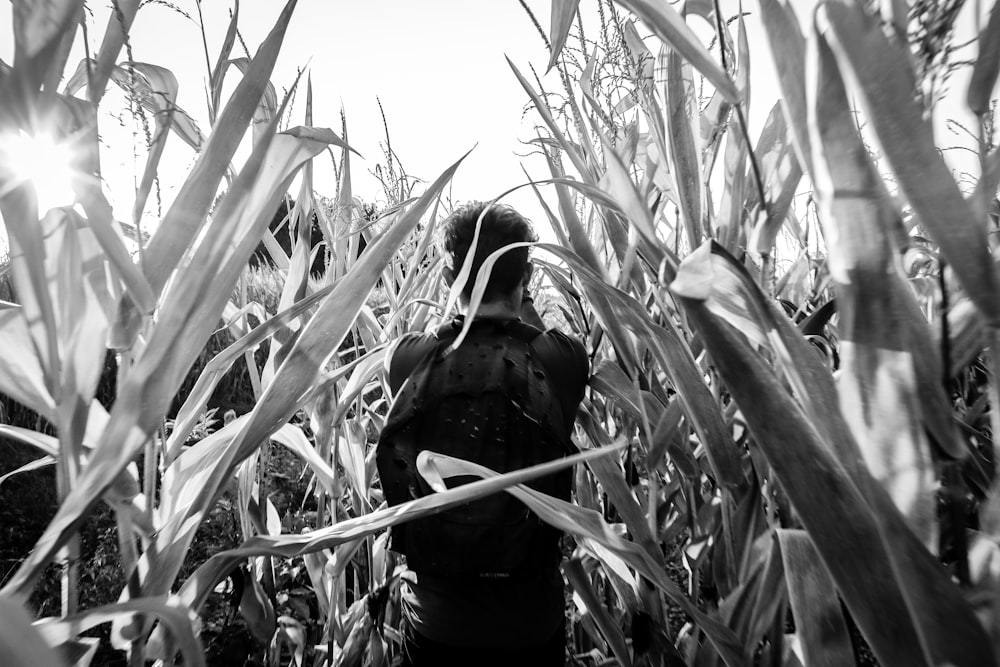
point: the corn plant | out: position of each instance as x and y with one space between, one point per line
748 460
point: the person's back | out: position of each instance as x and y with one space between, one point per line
483 585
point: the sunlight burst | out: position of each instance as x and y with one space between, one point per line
42 161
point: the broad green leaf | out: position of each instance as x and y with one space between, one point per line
74 257
577 233
820 491
670 437
586 525
150 90
268 105
968 335
612 478
28 269
119 24
124 488
318 341
669 26
730 227
20 644
772 597
787 47
37 26
618 312
679 99
610 380
296 283
21 375
43 35
750 608
221 64
221 363
156 88
344 247
257 610
200 584
987 67
365 369
819 621
563 13
101 221
617 183
877 384
938 607
782 174
178 619
580 581
907 142
37 464
159 369
216 265
184 219
351 455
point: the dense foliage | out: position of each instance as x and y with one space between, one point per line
786 444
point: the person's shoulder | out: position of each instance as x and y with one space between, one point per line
564 352
563 343
407 352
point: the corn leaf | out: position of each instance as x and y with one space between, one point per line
938 607
585 525
37 464
268 105
581 583
200 584
820 491
906 140
20 643
179 620
28 252
684 155
619 312
181 224
669 26
787 47
317 342
221 64
987 67
43 34
212 273
119 23
21 375
221 363
563 12
877 388
819 621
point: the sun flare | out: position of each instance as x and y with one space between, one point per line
43 162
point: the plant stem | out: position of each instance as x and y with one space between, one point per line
767 274
990 519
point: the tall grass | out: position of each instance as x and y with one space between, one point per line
796 429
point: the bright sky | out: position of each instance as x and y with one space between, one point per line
437 65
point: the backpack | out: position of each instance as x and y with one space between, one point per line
490 402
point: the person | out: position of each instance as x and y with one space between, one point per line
483 585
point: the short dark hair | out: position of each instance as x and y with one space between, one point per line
502 225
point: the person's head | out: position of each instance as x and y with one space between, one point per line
502 225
